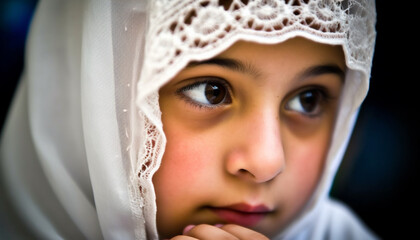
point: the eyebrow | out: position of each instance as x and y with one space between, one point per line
229 63
239 66
323 69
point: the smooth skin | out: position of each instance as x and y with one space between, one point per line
252 125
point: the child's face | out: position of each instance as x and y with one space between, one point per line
247 135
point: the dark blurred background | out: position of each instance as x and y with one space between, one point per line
378 177
15 16
379 174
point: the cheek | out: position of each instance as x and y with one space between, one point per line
187 165
311 156
305 163
308 153
181 164
308 166
180 182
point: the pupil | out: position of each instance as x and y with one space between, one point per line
309 100
215 93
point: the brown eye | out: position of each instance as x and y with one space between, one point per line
212 93
215 93
308 102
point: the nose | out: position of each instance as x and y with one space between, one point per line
256 153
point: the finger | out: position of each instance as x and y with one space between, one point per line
209 232
183 237
243 233
188 228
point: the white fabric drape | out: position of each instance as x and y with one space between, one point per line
64 150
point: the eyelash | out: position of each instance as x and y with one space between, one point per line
203 80
324 93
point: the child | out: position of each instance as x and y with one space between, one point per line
189 119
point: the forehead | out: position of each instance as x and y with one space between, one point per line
288 58
293 49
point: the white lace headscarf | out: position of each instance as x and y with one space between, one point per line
85 137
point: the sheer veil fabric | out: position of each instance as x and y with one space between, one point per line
84 136
65 149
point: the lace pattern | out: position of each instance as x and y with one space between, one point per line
181 31
193 30
149 155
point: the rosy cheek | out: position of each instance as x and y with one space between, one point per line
313 158
184 161
305 161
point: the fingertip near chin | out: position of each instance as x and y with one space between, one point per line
182 237
243 232
206 231
187 229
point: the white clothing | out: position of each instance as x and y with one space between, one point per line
84 136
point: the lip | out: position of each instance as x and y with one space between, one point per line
243 214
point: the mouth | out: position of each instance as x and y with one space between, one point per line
242 214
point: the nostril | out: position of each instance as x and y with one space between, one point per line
243 172
247 174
